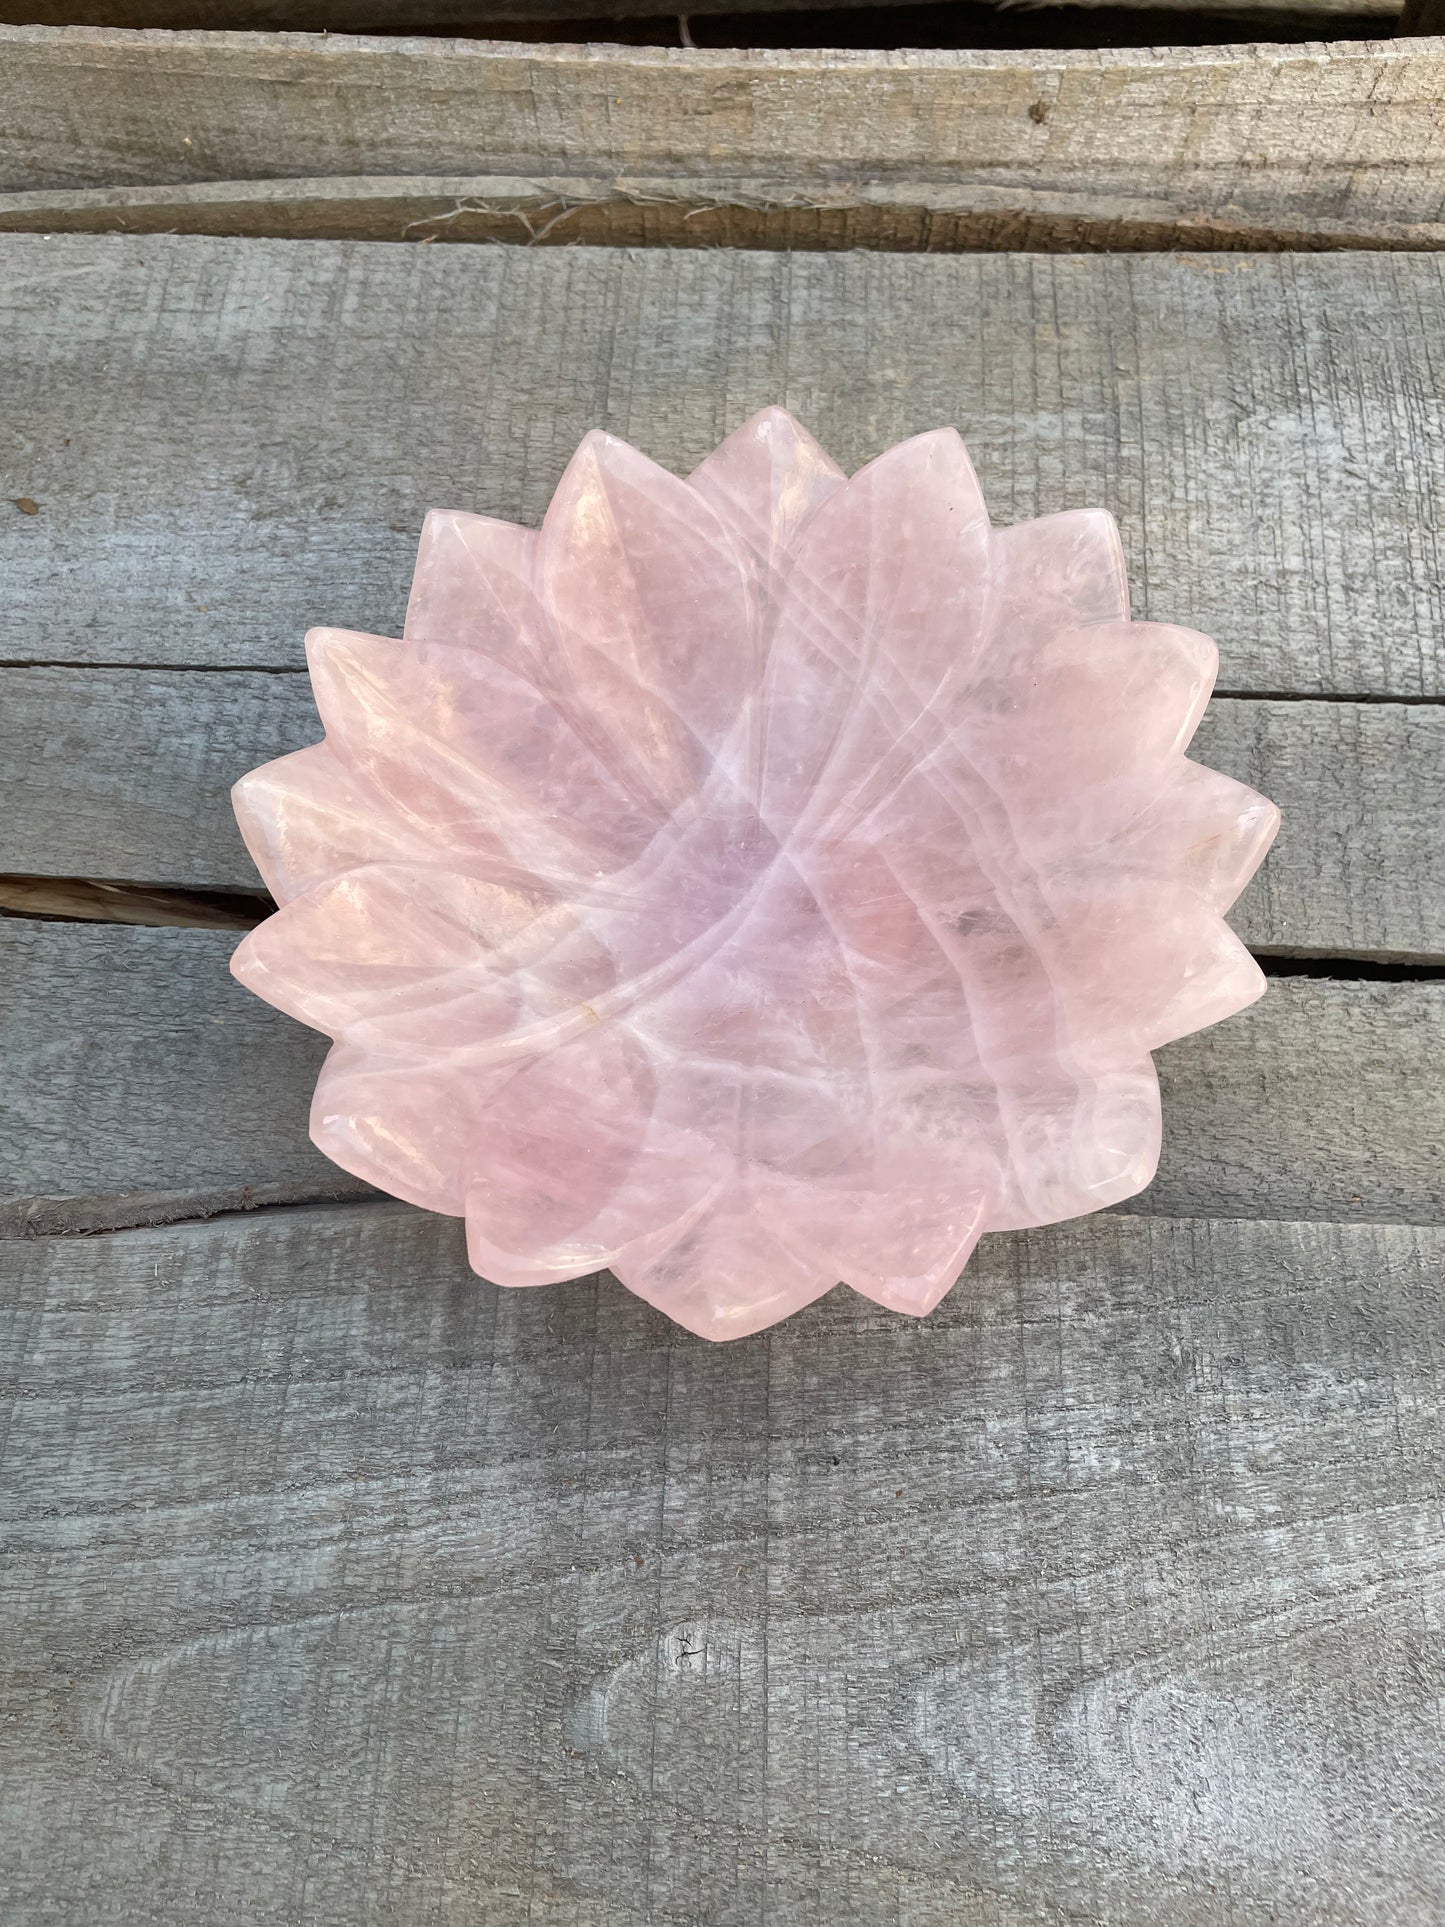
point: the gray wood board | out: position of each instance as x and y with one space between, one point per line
142 1083
226 440
1345 131
342 1587
124 775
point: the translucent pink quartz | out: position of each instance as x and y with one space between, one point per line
753 882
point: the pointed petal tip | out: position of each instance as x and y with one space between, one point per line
249 809
1191 647
917 1295
249 791
715 1318
1207 650
910 1298
245 965
435 522
332 661
439 528
584 463
600 447
342 654
600 457
1253 983
243 792
325 645
769 420
1255 828
1188 657
1268 818
264 963
773 424
1203 653
945 442
440 523
941 450
507 1271
351 1142
1103 526
1228 981
704 1321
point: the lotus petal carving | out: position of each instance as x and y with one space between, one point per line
753 882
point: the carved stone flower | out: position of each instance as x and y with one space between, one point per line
753 882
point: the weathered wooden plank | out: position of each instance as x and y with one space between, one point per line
143 1083
1358 869
226 439
1112 1591
124 775
1346 130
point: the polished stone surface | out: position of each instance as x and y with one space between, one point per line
753 882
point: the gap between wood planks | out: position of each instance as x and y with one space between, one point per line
700 212
88 900
1354 699
948 24
954 25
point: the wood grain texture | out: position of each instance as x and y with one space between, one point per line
124 775
1344 131
1358 869
142 1083
228 439
342 1587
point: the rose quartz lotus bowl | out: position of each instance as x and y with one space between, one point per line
753 882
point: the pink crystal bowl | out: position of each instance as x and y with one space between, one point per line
753 882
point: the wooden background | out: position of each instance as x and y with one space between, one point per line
338 1586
